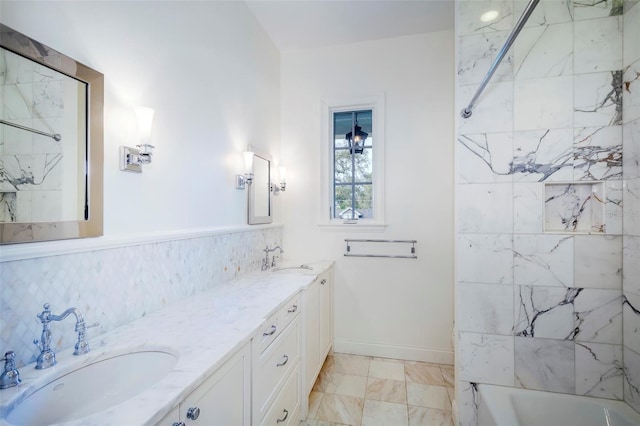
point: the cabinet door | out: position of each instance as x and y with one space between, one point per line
325 321
311 338
223 399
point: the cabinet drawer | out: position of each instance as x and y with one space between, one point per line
286 408
274 364
276 324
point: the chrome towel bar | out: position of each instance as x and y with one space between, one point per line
413 255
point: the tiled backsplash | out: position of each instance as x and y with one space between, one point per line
117 285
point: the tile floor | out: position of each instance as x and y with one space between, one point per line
360 391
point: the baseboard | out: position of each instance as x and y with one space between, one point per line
410 353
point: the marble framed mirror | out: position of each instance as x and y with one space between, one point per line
51 143
260 189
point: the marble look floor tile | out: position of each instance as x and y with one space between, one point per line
420 372
314 422
386 370
448 374
386 390
341 384
349 364
314 403
350 385
451 392
384 413
341 409
428 396
422 416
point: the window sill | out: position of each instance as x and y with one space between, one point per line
352 227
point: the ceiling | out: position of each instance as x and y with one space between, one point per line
302 24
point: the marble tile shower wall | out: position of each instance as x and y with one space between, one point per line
539 307
115 286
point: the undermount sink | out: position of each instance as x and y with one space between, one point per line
92 388
294 268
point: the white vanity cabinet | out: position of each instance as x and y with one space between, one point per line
222 399
318 329
276 368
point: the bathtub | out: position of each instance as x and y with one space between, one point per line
503 406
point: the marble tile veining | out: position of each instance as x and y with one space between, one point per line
599 370
545 364
598 99
543 260
598 44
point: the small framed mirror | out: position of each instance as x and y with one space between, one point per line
51 143
260 188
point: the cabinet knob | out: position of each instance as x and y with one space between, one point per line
193 413
286 414
323 282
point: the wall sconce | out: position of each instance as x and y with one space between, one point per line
132 159
283 181
243 180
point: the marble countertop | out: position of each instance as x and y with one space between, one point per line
203 331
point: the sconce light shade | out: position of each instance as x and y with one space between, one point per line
248 162
132 159
145 120
283 181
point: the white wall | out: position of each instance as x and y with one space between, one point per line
211 74
387 307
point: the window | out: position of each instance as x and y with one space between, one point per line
353 172
353 165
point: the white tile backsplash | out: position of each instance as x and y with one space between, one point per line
115 286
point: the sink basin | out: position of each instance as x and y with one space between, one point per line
294 268
92 388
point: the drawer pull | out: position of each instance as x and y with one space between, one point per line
293 309
273 330
323 282
286 414
178 424
193 413
286 359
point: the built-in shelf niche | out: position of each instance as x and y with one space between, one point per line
574 207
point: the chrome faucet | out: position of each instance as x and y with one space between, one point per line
265 262
47 357
11 376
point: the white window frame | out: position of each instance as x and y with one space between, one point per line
376 104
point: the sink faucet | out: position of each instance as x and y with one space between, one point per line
11 376
47 357
265 262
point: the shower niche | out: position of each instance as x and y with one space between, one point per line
574 208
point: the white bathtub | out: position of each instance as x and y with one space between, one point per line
503 406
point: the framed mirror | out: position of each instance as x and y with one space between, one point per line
260 188
51 143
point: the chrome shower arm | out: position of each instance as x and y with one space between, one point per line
466 112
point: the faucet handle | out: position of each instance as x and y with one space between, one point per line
11 376
44 315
